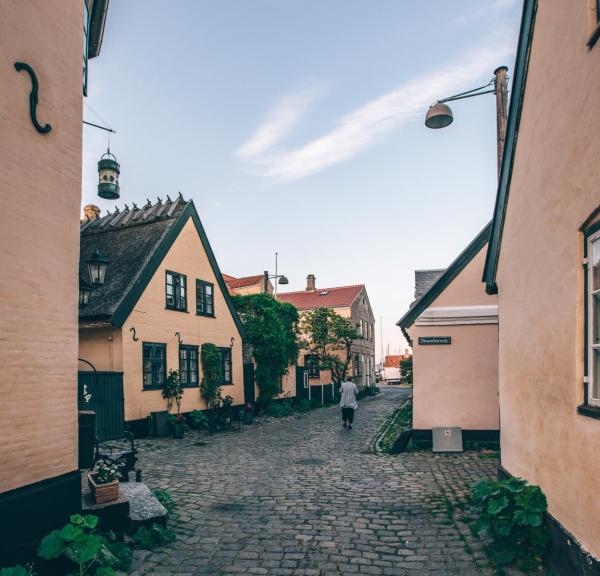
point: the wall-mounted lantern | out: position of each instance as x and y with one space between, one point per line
108 176
97 268
85 289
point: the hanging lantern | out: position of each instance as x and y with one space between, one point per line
85 289
108 176
97 268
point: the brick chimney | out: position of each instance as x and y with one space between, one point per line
91 212
310 283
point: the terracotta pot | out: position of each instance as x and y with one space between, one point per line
103 492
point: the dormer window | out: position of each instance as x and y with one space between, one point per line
176 291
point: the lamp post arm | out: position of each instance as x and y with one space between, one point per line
471 93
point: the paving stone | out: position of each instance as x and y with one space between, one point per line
246 504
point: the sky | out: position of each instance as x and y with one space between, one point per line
297 127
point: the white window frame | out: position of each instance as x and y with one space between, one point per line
591 347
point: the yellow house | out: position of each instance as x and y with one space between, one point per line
544 262
349 302
163 296
40 146
453 330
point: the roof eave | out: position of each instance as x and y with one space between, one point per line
97 25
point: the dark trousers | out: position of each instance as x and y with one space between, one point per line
348 415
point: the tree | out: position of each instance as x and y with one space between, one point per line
329 337
406 371
210 387
272 331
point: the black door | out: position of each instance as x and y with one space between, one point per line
249 392
301 383
105 391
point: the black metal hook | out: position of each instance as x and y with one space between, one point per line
33 97
232 340
179 337
135 338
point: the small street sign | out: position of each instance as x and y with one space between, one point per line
432 340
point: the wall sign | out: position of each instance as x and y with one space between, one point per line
433 340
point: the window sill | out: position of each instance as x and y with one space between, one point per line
594 37
590 411
227 384
151 388
176 309
205 315
190 385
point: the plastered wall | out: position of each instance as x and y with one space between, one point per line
555 187
40 182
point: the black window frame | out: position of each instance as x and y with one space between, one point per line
177 298
226 353
311 365
201 298
155 384
86 45
186 370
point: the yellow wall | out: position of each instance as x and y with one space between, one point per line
103 348
40 181
457 384
555 187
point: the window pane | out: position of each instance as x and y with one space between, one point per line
596 264
595 392
596 318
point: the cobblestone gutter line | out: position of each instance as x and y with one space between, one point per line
388 425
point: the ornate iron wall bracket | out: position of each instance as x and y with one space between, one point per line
232 341
33 97
179 337
132 330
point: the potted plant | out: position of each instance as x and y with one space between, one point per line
248 413
104 482
173 393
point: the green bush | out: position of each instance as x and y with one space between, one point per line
512 513
198 419
153 537
18 570
92 552
314 404
302 405
165 498
280 409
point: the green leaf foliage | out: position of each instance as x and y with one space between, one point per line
152 537
165 498
210 387
511 512
18 570
272 331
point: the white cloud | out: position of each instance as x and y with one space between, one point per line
360 129
278 124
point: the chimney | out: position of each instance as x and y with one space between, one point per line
91 212
310 283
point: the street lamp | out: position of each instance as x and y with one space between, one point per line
282 278
439 114
85 289
97 268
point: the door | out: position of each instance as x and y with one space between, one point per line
104 390
302 385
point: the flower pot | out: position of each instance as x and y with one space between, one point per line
248 417
178 430
103 492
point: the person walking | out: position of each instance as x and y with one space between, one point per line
348 403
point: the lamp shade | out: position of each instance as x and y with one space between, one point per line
85 289
283 280
108 176
97 268
439 115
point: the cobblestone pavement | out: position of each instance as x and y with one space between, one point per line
303 496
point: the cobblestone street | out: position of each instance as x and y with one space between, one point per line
303 496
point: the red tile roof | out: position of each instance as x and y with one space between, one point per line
393 361
233 282
336 297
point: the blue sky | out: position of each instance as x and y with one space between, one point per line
297 127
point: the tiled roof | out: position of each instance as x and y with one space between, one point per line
336 297
393 361
425 279
233 282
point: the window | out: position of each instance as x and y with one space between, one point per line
188 365
311 363
86 30
154 365
593 320
356 365
205 298
176 293
226 365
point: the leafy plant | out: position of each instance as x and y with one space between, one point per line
106 472
272 332
329 337
210 387
18 570
165 498
303 405
198 419
93 553
153 537
280 409
173 392
512 513
406 371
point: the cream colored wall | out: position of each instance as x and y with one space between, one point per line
555 187
153 323
103 347
457 384
467 288
40 181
